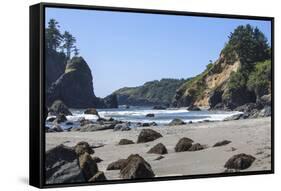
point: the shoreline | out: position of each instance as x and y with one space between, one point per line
250 136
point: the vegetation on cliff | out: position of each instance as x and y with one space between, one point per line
157 92
241 75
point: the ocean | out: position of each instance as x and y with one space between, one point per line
138 114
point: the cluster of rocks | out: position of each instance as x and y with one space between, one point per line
186 144
72 165
59 111
260 108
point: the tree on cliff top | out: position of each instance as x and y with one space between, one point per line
55 39
53 35
249 44
68 43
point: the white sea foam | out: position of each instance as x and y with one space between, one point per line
135 115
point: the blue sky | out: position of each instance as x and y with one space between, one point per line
129 49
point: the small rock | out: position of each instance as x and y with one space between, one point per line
58 107
92 111
136 167
184 144
177 122
125 142
196 147
69 123
101 119
122 127
60 119
159 158
99 176
234 117
153 124
83 147
221 143
159 107
145 125
97 159
117 165
85 122
193 108
150 115
158 149
56 128
265 112
51 119
240 161
147 135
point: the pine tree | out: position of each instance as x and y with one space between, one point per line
53 35
68 43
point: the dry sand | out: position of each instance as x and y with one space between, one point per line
249 136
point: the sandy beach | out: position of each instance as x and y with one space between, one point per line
249 136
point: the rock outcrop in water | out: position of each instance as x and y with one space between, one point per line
75 87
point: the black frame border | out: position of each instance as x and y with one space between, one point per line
37 95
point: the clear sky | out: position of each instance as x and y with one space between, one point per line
129 49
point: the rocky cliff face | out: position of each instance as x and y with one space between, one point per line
207 87
241 75
75 87
54 66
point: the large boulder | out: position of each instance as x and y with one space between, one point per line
83 147
58 107
177 122
136 168
240 161
88 165
125 142
61 165
117 165
158 149
222 143
147 135
184 144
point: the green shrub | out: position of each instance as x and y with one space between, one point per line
260 78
